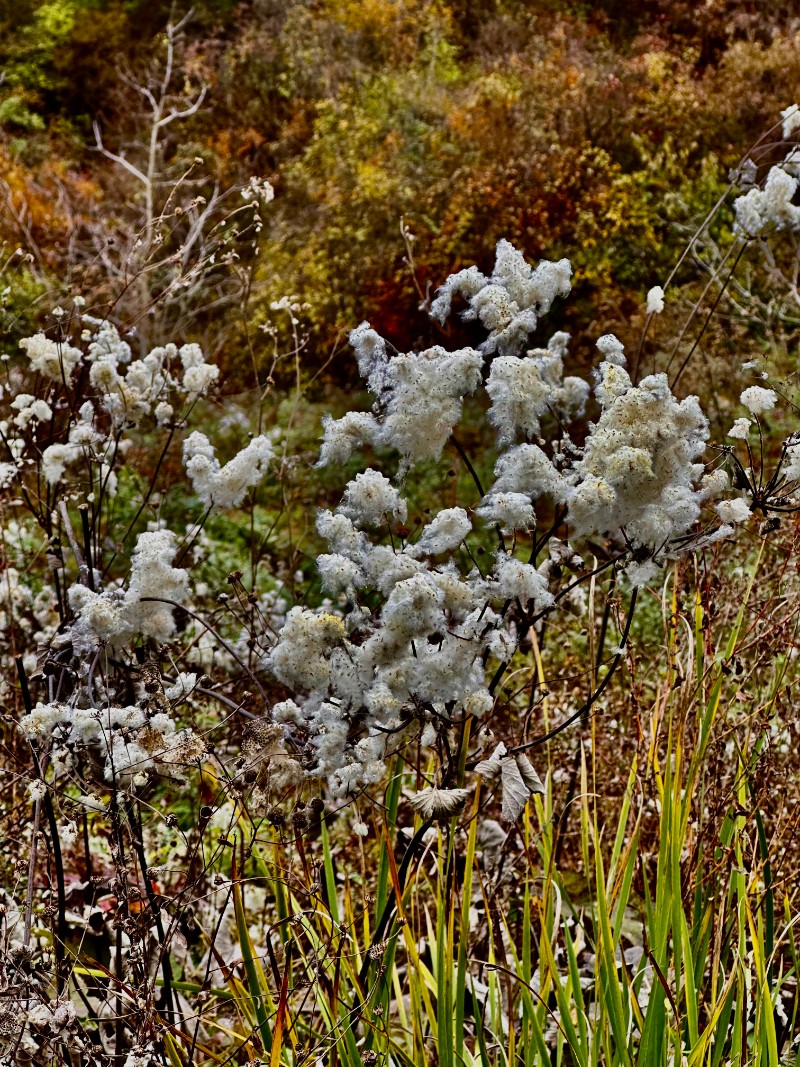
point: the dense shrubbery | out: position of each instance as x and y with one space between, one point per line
587 132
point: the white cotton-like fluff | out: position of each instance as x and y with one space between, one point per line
790 469
611 381
425 393
509 511
449 671
198 380
414 607
152 575
131 398
791 120
342 536
258 190
225 487
612 349
740 429
181 688
515 580
758 400
444 533
53 360
761 210
371 500
568 395
286 712
29 408
638 575
103 374
531 287
385 567
8 472
115 616
68 833
55 460
300 658
655 300
36 790
524 390
164 413
639 466
339 574
526 469
83 434
508 303
342 437
519 395
420 395
713 484
467 283
106 352
191 355
734 511
460 596
371 355
106 343
198 376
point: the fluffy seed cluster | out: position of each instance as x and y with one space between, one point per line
509 302
225 486
758 400
50 358
421 624
639 472
115 616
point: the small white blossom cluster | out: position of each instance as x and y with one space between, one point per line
761 211
129 743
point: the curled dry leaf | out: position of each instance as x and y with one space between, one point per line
491 767
518 779
438 803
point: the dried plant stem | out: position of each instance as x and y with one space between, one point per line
73 541
37 811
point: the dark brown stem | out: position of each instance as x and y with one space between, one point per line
594 697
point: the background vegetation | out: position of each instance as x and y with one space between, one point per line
599 131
